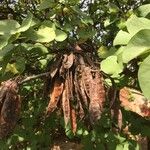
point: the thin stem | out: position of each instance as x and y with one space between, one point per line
34 77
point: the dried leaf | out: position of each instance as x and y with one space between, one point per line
55 95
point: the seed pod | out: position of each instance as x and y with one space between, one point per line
55 95
97 97
10 107
134 101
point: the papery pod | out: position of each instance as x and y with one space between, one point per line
73 120
10 107
134 101
77 96
79 85
97 97
55 95
66 103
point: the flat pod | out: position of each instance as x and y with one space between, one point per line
134 101
97 97
10 107
55 95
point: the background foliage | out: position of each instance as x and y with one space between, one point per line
32 32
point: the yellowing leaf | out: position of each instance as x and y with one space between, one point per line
60 35
44 34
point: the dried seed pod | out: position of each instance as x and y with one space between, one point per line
134 101
79 85
10 107
55 66
77 96
97 97
68 61
80 91
55 95
87 80
66 104
73 120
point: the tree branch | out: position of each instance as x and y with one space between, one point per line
34 77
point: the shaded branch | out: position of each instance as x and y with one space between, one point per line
33 77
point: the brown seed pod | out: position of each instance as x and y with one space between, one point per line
97 97
10 107
134 101
81 92
66 104
55 95
73 120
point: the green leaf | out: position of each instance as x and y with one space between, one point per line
68 27
39 48
135 24
60 35
87 20
107 22
13 37
49 24
85 33
126 146
11 68
119 147
113 8
20 64
144 10
111 66
104 52
26 23
143 77
138 44
8 27
5 50
122 38
47 4
3 41
44 34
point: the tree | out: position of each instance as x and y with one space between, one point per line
40 38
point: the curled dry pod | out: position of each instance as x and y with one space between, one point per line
10 106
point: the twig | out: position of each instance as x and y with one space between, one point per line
34 77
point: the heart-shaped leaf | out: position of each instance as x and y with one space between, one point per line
138 44
143 77
8 27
